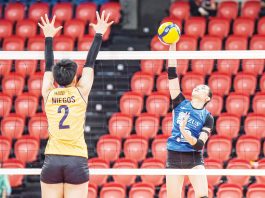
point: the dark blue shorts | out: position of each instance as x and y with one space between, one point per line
184 160
64 169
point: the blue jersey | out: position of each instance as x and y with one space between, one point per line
196 121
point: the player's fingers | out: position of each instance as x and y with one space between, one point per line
107 18
47 19
41 26
42 20
92 25
59 28
110 23
53 19
98 17
103 15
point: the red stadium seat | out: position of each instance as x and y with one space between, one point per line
167 124
135 148
38 10
147 125
120 125
191 192
12 126
92 191
63 11
190 81
105 36
6 28
108 147
13 84
35 84
38 126
213 164
25 67
237 104
261 165
98 163
26 149
261 26
251 9
257 42
36 43
13 43
5 67
145 190
219 27
157 45
26 28
63 43
195 26
26 105
258 103
159 147
85 43
253 66
131 103
228 125
245 83
234 42
229 191
220 83
162 83
149 164
126 180
5 104
74 28
153 67
158 104
176 21
248 147
187 43
86 12
219 147
142 83
163 192
211 43
243 27
180 10
112 190
254 125
80 66
5 148
238 164
112 8
229 66
215 106
14 180
14 11
227 9
256 191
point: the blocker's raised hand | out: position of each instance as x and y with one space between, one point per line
48 27
102 23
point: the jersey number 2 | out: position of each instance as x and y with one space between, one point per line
66 112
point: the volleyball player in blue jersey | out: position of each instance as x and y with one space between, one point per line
192 125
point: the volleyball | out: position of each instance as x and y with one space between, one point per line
168 33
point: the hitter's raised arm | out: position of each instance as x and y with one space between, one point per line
174 86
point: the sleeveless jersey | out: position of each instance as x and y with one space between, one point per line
176 142
65 109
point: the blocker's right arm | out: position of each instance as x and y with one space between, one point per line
49 32
174 86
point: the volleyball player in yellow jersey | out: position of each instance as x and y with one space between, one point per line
65 170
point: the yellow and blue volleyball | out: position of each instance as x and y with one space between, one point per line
168 33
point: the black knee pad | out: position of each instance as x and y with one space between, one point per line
204 197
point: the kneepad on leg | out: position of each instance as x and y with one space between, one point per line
204 197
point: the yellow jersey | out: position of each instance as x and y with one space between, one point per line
65 109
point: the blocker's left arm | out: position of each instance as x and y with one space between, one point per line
49 32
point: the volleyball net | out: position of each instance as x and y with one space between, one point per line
236 78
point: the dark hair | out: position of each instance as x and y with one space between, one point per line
64 72
210 94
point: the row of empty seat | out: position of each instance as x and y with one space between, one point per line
225 9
